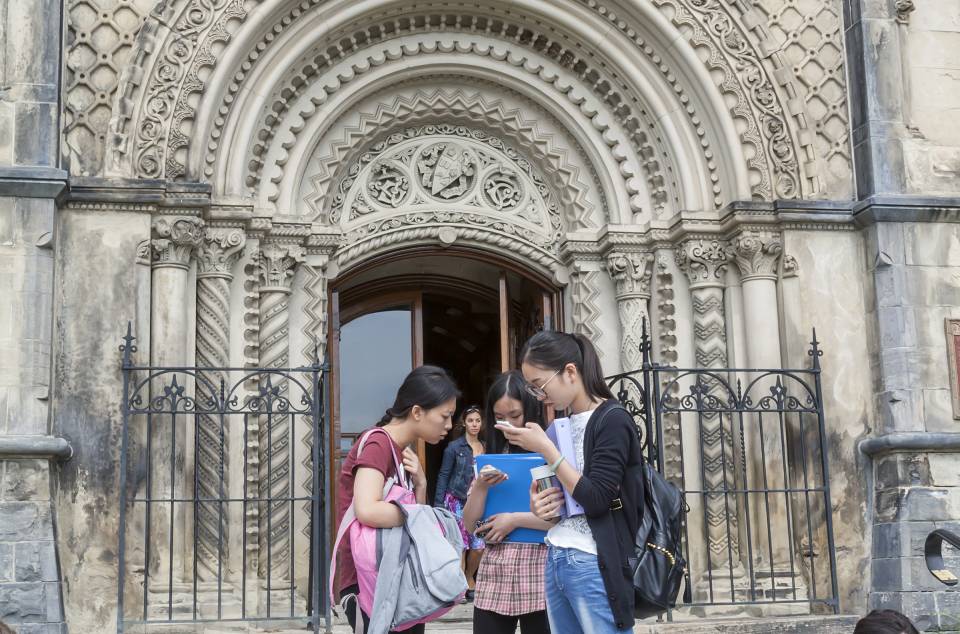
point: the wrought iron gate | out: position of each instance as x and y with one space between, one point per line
748 449
222 495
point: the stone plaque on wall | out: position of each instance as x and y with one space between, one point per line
953 352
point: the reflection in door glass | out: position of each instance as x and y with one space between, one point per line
375 356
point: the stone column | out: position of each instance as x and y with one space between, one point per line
757 255
174 240
218 253
632 274
276 266
704 261
30 181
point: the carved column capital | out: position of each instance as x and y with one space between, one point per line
703 260
757 254
632 273
276 263
218 252
174 240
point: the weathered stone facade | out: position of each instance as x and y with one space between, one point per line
733 174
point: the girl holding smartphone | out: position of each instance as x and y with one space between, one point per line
587 578
509 587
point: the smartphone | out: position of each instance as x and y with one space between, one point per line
490 470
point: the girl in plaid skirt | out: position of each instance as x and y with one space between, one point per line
510 582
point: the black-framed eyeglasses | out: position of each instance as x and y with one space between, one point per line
538 392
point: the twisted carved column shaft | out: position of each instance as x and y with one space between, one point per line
276 271
704 262
219 250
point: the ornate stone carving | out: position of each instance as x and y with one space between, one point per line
388 185
704 261
584 292
446 170
757 253
469 110
502 188
789 266
904 8
175 239
217 254
631 272
277 262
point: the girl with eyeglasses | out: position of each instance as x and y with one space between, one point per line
587 577
509 588
453 483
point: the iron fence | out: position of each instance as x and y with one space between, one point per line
222 495
747 447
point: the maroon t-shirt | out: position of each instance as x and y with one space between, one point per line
377 454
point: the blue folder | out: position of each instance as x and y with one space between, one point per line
513 494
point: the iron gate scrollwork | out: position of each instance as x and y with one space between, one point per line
222 498
747 447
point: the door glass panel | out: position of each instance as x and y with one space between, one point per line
375 356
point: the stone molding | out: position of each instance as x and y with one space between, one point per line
906 442
50 447
757 254
174 240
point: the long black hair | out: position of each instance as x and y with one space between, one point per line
509 384
427 386
884 622
552 350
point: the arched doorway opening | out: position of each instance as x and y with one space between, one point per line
464 310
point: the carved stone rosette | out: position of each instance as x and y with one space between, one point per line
704 262
174 241
276 267
757 254
216 256
632 273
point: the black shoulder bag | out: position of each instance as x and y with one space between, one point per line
657 564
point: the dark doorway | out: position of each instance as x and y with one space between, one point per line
466 313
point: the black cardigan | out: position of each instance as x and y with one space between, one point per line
613 468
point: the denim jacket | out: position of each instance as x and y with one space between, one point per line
456 471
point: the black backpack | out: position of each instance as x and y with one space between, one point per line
658 565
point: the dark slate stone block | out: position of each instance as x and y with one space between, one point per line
23 603
36 561
34 140
6 563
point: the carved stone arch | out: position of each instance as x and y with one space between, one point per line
571 187
700 155
781 129
329 97
451 24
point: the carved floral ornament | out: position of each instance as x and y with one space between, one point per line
632 273
445 173
219 251
276 265
175 239
757 253
703 260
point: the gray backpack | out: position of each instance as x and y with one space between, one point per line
420 578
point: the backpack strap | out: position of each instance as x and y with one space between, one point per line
350 515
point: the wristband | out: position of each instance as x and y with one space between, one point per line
556 465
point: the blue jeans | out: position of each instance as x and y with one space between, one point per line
576 599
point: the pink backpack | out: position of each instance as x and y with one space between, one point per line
363 541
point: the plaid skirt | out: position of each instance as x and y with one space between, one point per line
510 579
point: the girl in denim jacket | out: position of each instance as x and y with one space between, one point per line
456 475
